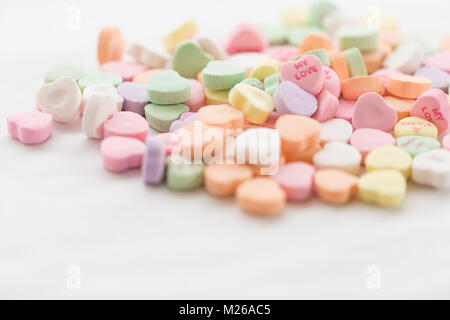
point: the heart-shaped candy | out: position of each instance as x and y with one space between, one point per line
160 117
291 99
99 108
335 186
246 37
306 72
61 99
296 178
433 106
185 119
386 188
154 162
189 59
30 127
121 153
432 169
417 145
168 87
389 157
222 75
371 111
332 82
126 124
134 96
338 155
328 105
103 88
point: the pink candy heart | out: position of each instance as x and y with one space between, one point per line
306 72
328 105
246 37
122 153
30 127
126 124
433 106
371 111
332 82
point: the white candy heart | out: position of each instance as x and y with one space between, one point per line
210 46
338 155
102 88
432 168
99 108
61 99
149 57
335 130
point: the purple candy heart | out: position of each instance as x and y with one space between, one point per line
134 96
154 162
291 99
439 78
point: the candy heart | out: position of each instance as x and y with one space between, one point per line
61 99
291 99
265 68
185 119
386 188
189 59
345 110
154 162
306 72
99 77
432 169
223 116
99 108
30 127
160 117
413 126
417 145
197 99
371 111
298 133
222 75
366 140
338 155
328 105
222 180
254 103
126 124
151 58
134 96
338 130
183 176
102 88
168 87
296 178
121 153
64 70
433 106
210 46
332 83
335 186
389 157
272 83
246 37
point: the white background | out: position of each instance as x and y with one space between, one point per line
59 208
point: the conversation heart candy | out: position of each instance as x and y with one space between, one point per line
345 110
110 46
327 106
335 186
432 169
254 103
433 106
407 87
439 78
102 88
126 124
99 108
319 53
353 88
265 68
222 180
332 83
335 130
223 116
30 127
413 126
64 70
126 70
338 155
272 83
197 99
211 46
154 161
366 140
416 145
60 98
134 97
120 154
185 119
389 157
385 73
246 37
338 64
407 58
183 32
386 188
149 57
160 117
99 77
355 62
261 197
401 106
216 96
297 133
222 75
365 39
372 112
168 87
189 59
183 176
291 99
306 72
296 178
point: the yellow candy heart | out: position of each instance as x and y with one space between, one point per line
265 69
389 157
184 32
214 97
386 188
413 126
253 102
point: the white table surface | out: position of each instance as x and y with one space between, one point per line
60 211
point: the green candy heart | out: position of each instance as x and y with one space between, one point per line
297 34
222 75
355 61
100 77
160 117
319 53
272 83
167 87
189 59
64 70
416 145
365 39
181 176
